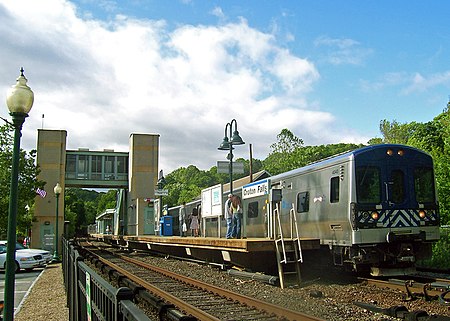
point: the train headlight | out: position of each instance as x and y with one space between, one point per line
390 152
374 215
400 152
422 214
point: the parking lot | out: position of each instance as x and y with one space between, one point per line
23 283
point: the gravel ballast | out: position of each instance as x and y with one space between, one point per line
47 299
335 302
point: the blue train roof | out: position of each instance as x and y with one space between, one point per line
370 151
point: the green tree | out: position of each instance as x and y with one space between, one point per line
289 153
282 156
375 141
81 208
256 164
434 137
28 183
395 132
106 201
287 142
185 184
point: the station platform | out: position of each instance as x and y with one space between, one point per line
254 254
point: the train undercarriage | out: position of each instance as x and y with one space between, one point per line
387 259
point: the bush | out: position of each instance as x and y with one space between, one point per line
441 251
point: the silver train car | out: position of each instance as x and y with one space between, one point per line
373 209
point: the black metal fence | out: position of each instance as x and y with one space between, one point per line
90 297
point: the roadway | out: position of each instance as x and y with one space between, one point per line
24 281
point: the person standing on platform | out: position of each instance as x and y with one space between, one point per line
236 208
199 211
182 219
229 217
194 222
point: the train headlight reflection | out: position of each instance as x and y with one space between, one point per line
374 215
422 214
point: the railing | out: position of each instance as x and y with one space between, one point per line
90 297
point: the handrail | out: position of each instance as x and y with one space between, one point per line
89 294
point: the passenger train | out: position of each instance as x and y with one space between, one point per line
374 208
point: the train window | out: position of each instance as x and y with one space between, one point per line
398 189
252 210
424 185
303 202
368 183
334 192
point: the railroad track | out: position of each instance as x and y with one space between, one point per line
417 287
198 299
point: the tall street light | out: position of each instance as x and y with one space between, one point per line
227 144
57 189
19 99
160 184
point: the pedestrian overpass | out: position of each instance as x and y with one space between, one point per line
134 173
96 169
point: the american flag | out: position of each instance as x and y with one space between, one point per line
41 192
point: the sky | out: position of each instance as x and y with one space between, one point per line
329 71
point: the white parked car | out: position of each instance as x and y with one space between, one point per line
24 260
20 248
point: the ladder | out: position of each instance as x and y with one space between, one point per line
288 251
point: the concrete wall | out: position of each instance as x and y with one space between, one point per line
51 158
142 178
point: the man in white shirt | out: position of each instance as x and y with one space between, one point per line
229 217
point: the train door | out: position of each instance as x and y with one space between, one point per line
394 187
396 195
274 208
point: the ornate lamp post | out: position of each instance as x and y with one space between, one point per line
19 99
161 183
57 189
227 144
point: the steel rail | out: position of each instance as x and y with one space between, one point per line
188 308
255 303
418 287
271 309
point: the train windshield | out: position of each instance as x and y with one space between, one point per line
371 187
368 184
396 193
424 185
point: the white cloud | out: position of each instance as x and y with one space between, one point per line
407 83
343 51
102 81
217 11
420 83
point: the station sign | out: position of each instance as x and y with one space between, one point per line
212 201
161 192
255 189
223 167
